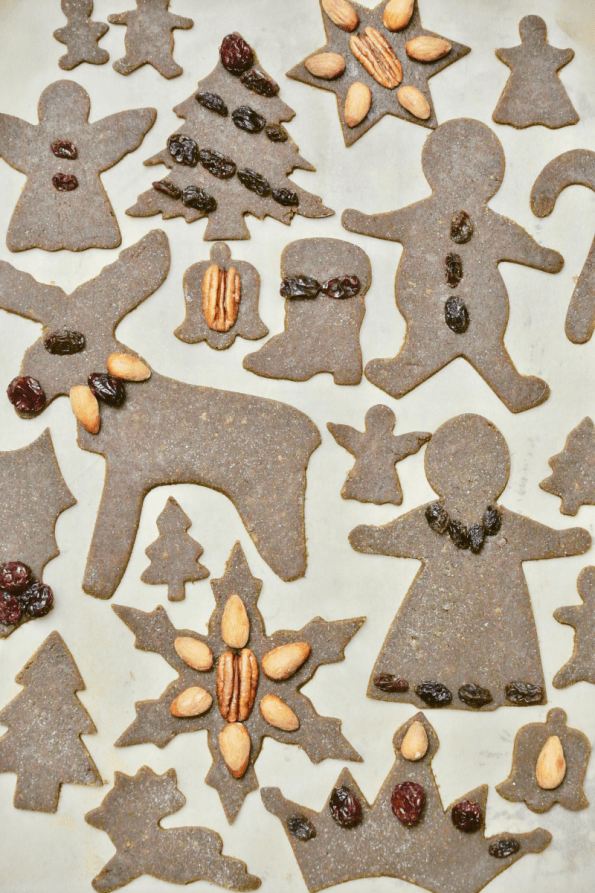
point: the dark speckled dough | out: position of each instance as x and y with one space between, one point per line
433 854
573 478
81 35
149 37
581 666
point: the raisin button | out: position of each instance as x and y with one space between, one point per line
299 287
454 269
492 520
456 316
461 228
64 342
64 149
437 517
65 182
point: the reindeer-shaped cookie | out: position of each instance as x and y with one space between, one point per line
253 450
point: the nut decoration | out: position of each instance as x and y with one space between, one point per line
234 743
326 65
235 626
414 101
377 57
278 714
397 14
191 702
357 103
122 365
427 49
85 407
237 681
193 652
551 764
221 295
341 13
282 662
415 743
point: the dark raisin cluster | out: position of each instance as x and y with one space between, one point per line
212 102
467 816
254 182
524 693
107 388
389 682
167 188
64 149
256 82
247 119
434 694
454 269
26 394
308 287
64 342
236 55
21 594
461 228
506 846
462 536
65 182
474 695
345 807
197 198
407 802
183 149
217 164
301 827
456 315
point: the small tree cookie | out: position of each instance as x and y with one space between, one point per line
573 478
374 477
174 554
149 37
581 666
452 240
81 35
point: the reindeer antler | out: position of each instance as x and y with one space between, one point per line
20 293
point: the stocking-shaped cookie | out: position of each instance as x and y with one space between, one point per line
374 477
149 37
448 286
465 634
81 35
324 282
534 94
581 666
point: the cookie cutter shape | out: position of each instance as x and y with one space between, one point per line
581 666
573 478
174 554
81 35
149 37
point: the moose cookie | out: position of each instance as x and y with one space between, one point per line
149 37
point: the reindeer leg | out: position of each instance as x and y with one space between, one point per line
580 319
120 870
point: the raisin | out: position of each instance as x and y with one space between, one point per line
10 610
461 228
389 682
345 807
285 197
36 600
65 182
454 269
14 576
524 693
299 287
492 520
167 188
64 149
258 83
254 182
456 315
437 517
195 197
301 827
107 387
506 846
433 693
476 538
217 164
247 119
474 695
212 102
276 133
183 149
236 55
407 802
64 342
467 816
26 394
346 287
459 534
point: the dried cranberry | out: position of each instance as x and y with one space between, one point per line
407 802
212 102
347 287
456 315
434 694
437 517
247 119
524 693
65 182
64 342
64 149
236 55
467 816
10 610
107 387
454 269
492 520
14 576
276 133
461 228
36 600
254 182
26 394
391 683
474 695
299 287
258 83
459 534
183 149
195 197
167 188
506 846
301 827
476 538
285 197
345 807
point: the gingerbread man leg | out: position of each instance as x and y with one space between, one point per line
517 392
164 64
418 359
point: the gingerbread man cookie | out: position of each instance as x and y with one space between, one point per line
149 37
81 35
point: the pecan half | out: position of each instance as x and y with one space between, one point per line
237 681
378 57
221 295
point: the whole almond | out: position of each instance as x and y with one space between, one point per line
194 653
278 714
191 702
122 365
326 65
341 13
375 53
397 14
427 49
414 101
282 662
415 743
235 625
357 103
234 744
85 407
551 765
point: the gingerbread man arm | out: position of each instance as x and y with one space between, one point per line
118 18
117 135
15 135
533 540
405 537
392 225
180 22
515 245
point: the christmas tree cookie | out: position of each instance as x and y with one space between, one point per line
174 554
81 35
149 37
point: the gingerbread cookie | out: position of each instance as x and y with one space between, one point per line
549 762
164 431
174 554
239 684
374 477
149 37
232 156
573 478
324 283
581 666
534 93
405 833
131 814
464 636
370 52
221 301
576 167
43 746
81 35
448 286
63 203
